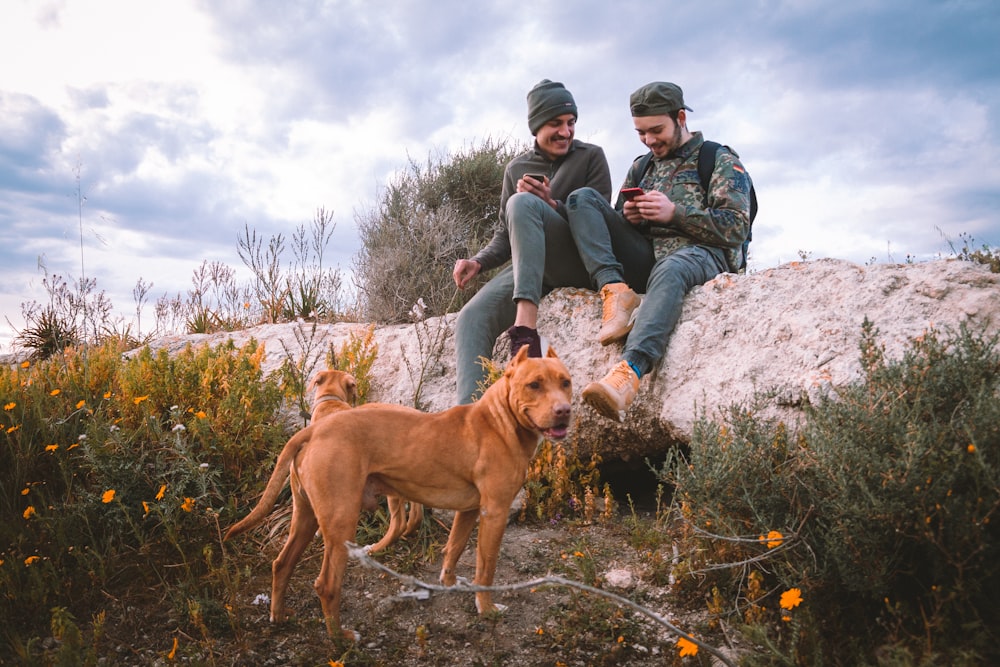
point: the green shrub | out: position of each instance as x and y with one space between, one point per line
427 218
885 502
115 472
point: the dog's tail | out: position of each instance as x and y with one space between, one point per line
274 485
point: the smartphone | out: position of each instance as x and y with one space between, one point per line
631 193
538 177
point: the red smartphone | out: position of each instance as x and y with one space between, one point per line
631 193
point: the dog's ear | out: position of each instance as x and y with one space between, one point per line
351 388
317 379
551 352
521 355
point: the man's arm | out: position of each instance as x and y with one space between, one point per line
726 221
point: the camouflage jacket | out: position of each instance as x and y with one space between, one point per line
725 224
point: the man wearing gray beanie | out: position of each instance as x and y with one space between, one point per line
533 233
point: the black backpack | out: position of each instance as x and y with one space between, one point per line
706 165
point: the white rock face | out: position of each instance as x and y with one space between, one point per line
794 329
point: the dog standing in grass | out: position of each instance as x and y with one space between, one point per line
336 391
470 458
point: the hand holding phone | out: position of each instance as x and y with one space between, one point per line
631 193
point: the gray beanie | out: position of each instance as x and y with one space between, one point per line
547 100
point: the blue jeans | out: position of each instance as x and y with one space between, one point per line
665 282
544 257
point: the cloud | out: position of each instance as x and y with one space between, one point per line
870 129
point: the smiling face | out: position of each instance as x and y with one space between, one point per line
541 393
556 136
661 134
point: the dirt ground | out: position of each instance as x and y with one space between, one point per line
548 626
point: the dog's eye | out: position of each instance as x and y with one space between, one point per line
567 383
536 385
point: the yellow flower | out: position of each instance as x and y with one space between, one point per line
791 598
80 404
10 406
51 448
200 414
188 504
73 446
773 539
25 364
687 647
539 631
971 448
159 494
26 490
107 394
13 428
173 651
108 496
139 399
621 639
29 512
336 663
31 559
55 392
145 507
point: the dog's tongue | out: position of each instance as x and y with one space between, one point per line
555 433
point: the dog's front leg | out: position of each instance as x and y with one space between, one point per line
492 525
461 529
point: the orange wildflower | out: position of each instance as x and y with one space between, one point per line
687 647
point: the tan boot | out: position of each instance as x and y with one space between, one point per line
612 394
619 304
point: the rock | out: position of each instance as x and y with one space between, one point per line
793 330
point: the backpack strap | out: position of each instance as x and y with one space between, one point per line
706 165
639 167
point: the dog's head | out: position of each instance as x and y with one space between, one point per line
333 386
540 392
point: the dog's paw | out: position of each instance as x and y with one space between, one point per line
494 608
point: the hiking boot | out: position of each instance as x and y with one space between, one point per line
620 303
521 336
612 394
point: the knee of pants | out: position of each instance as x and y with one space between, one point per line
583 196
521 202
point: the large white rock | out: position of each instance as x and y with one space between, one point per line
793 330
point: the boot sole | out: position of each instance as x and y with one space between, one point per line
602 404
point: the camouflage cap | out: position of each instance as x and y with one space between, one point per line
657 99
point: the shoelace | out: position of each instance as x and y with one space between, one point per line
620 376
610 307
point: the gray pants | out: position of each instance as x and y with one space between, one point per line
665 282
544 256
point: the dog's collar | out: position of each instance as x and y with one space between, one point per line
324 399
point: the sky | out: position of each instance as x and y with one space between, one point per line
140 138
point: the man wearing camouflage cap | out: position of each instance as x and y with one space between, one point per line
665 241
533 233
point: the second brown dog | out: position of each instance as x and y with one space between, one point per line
336 391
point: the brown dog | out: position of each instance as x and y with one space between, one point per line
470 458
335 392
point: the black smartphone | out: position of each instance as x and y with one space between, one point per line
538 177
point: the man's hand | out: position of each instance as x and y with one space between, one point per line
538 188
465 271
653 206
